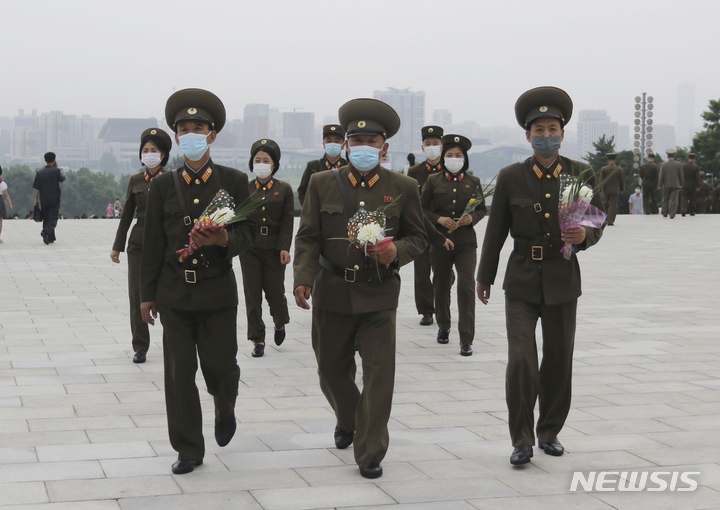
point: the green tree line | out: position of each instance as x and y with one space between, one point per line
83 192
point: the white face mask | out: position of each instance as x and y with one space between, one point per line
454 164
432 152
151 159
262 170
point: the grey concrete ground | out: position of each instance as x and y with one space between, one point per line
82 427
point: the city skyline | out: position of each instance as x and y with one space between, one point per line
80 56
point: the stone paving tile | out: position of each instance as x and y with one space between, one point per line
645 397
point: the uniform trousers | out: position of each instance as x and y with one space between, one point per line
650 198
210 335
687 200
367 412
138 327
551 383
262 271
424 302
670 201
50 215
610 201
700 206
464 258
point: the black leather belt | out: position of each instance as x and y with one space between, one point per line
351 275
268 231
196 275
536 252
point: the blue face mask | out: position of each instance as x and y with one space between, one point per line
333 149
546 146
364 157
193 145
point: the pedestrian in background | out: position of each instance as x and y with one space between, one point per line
47 189
670 181
3 193
635 202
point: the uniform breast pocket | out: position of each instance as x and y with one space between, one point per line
331 208
521 203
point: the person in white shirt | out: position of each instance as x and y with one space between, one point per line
635 202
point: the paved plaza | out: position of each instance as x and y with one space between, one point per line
83 428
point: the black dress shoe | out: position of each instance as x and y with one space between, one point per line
46 239
521 455
224 431
180 467
443 336
552 447
683 215
427 319
373 471
279 336
258 351
343 439
465 349
140 356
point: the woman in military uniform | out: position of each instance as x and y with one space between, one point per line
155 145
263 265
444 198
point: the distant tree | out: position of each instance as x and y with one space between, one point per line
598 159
108 163
19 179
86 192
175 162
706 144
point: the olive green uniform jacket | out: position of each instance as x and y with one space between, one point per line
649 175
165 233
691 176
615 184
313 167
671 174
324 218
275 217
422 171
552 280
135 201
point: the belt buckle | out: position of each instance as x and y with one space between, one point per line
263 230
537 252
537 207
190 276
352 273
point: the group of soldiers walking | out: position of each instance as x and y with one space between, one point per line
430 215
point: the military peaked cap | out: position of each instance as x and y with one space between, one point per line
369 117
543 102
333 129
156 135
432 132
460 140
197 104
266 145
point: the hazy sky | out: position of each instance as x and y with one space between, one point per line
472 57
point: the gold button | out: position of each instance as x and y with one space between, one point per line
454 201
362 204
195 220
547 195
452 212
197 181
264 189
196 201
194 261
263 198
264 219
362 184
547 215
455 179
263 208
357 267
548 176
455 190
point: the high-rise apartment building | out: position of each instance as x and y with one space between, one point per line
442 118
591 126
300 125
410 106
663 138
256 123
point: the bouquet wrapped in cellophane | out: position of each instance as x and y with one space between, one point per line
476 200
574 209
220 212
367 231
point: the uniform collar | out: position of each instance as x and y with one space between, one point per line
268 185
369 179
432 168
149 176
201 176
449 176
329 165
554 170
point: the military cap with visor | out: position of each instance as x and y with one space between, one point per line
160 139
195 104
368 117
671 152
691 155
449 140
333 129
269 146
543 102
431 132
612 156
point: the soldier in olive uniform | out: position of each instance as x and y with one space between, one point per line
432 147
691 181
715 199
670 181
614 186
196 299
263 265
355 298
702 194
444 198
155 145
649 175
333 138
539 282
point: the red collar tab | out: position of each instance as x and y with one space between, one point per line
431 168
268 184
537 171
206 174
329 165
148 175
557 170
353 180
449 176
186 176
374 179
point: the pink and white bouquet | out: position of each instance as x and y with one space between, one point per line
574 209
